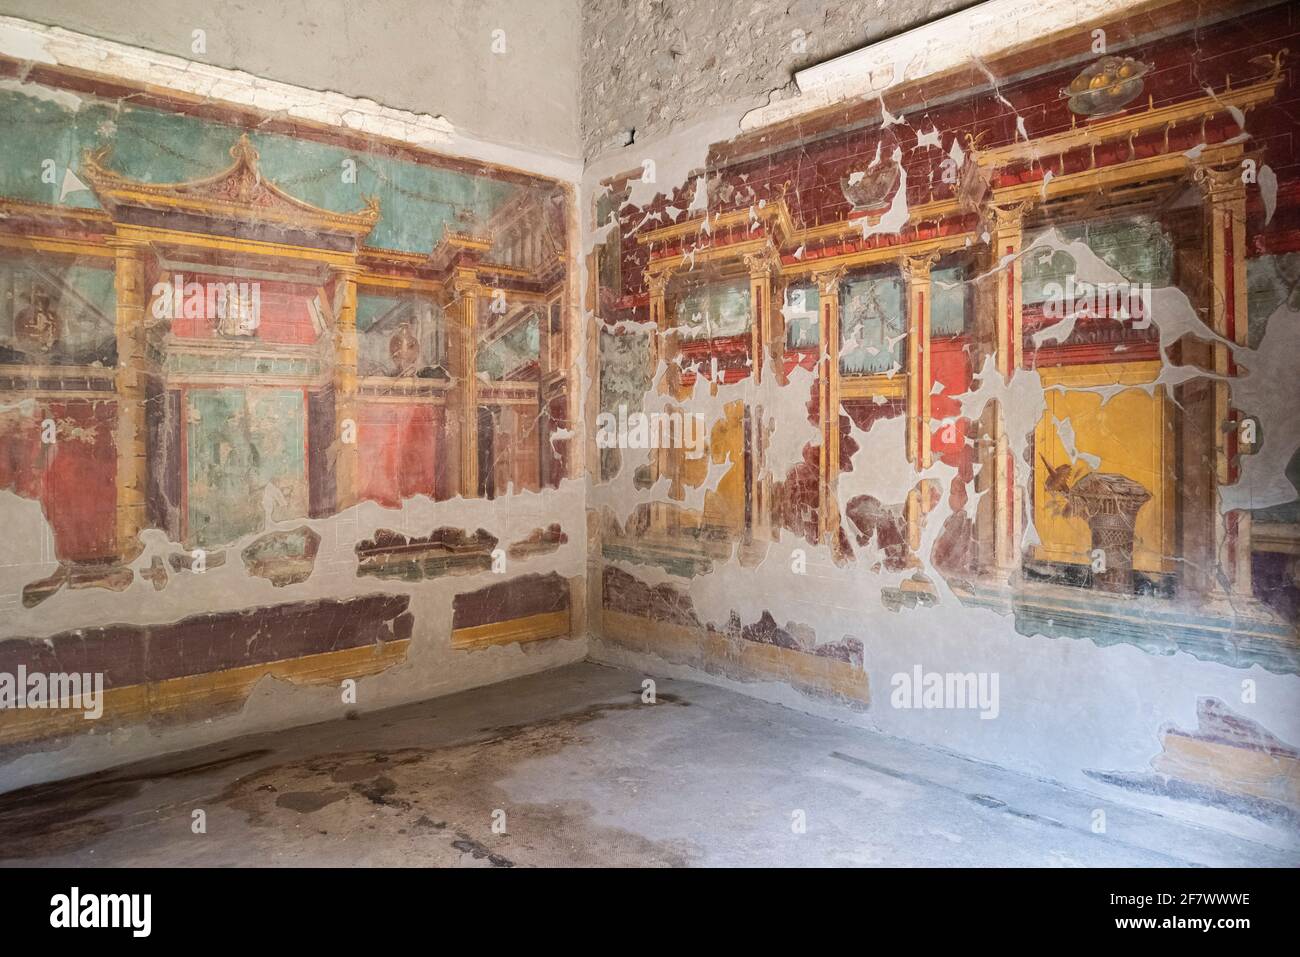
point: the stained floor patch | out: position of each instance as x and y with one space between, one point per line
437 806
65 815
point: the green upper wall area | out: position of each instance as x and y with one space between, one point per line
39 123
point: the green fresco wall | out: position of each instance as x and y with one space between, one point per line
416 201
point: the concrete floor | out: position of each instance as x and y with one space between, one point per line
585 774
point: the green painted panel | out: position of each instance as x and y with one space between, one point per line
239 443
372 307
518 346
948 306
40 123
802 328
1137 248
715 311
872 325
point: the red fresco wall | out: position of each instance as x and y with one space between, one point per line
398 447
73 477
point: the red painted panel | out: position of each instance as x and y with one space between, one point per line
396 445
73 477
285 315
950 365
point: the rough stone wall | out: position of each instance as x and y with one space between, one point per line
650 64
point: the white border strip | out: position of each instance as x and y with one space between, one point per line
56 46
978 32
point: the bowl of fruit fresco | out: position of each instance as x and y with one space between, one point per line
1106 86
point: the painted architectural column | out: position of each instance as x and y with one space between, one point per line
462 399
828 400
131 285
346 410
1008 497
546 386
663 462
1225 225
780 289
550 387
657 286
763 267
916 278
1008 235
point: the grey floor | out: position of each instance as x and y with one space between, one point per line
576 770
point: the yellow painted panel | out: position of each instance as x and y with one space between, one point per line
1131 435
196 693
724 507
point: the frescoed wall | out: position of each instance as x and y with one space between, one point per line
990 369
273 397
1016 393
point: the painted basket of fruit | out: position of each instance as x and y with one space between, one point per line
1106 86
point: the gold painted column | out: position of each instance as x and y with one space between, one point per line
1225 224
916 277
130 283
346 410
1008 236
1008 497
662 462
828 400
762 268
462 400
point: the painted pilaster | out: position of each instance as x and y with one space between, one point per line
462 399
828 400
1225 224
763 269
1008 497
346 410
662 462
130 282
916 277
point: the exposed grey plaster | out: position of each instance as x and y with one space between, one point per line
650 64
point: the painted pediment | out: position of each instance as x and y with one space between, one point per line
239 192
